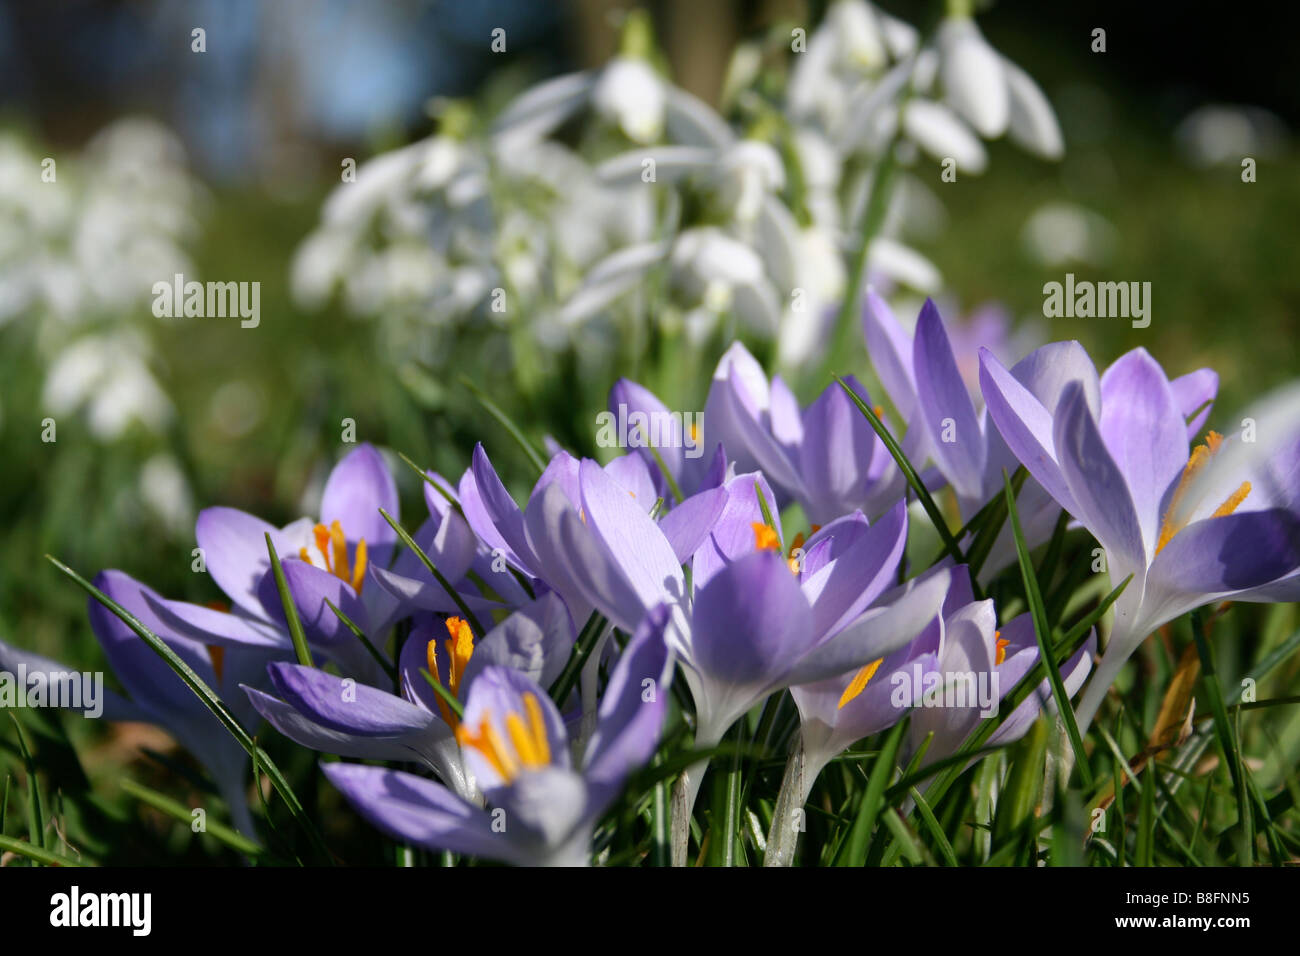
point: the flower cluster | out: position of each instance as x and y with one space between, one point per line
597 203
505 671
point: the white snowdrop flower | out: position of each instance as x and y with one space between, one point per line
1033 124
1061 233
902 264
974 79
630 95
749 171
166 493
938 131
820 281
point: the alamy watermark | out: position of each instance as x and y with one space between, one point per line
655 429
1102 300
211 300
67 690
965 689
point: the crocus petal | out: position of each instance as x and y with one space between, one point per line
627 397
1144 432
111 706
356 489
491 512
689 523
630 537
750 622
733 533
945 406
1102 498
311 587
536 641
836 454
306 732
632 709
631 473
1218 556
890 351
234 551
843 588
898 617
1025 425
345 705
420 811
1194 395
146 676
210 626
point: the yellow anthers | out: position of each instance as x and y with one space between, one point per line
859 682
1174 521
878 411
765 538
1000 648
460 648
695 433
1233 500
333 547
529 746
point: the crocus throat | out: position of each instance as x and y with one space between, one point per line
459 647
765 539
1177 517
333 547
528 747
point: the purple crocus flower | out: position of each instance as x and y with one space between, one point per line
158 695
1114 452
335 558
826 457
926 380
553 541
950 677
541 808
340 716
678 441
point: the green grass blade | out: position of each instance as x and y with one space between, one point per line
428 563
214 828
854 850
1043 632
910 473
37 854
448 697
35 813
296 633
508 424
582 649
933 828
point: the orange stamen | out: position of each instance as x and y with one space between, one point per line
859 682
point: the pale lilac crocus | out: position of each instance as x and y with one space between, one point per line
350 719
1114 452
953 675
826 457
333 559
927 382
158 695
541 808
